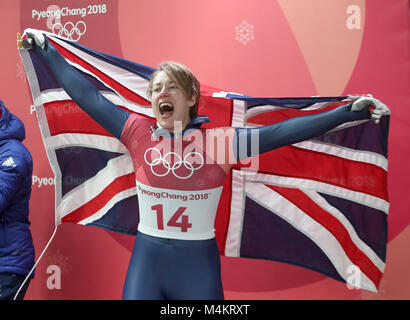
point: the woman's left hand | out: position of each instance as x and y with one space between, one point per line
367 102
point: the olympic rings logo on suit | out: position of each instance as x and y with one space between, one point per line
69 29
162 160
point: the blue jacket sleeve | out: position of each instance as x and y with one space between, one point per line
253 141
12 173
83 93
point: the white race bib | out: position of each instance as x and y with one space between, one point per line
177 214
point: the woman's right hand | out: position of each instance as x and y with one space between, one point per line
37 36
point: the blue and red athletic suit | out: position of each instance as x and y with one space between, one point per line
179 183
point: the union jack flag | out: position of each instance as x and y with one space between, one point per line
321 204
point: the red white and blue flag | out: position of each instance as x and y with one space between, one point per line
321 203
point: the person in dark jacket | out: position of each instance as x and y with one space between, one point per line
16 244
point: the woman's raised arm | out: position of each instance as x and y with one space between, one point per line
83 93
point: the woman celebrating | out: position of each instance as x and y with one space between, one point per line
180 169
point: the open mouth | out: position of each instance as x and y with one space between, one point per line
166 109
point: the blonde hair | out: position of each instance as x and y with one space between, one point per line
184 77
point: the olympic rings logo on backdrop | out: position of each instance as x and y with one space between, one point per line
69 30
172 168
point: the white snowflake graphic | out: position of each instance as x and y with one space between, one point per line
244 32
60 260
20 73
